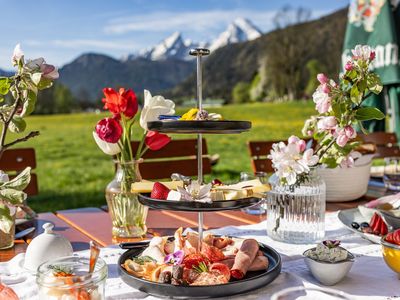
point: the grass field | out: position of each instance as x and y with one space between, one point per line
73 172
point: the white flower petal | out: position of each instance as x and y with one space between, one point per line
107 148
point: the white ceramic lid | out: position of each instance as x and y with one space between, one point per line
45 247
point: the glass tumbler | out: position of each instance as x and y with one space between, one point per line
259 208
391 173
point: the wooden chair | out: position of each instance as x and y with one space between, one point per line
14 161
259 150
386 143
179 156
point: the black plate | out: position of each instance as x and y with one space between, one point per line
197 206
252 280
215 127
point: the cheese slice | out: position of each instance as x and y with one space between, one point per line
146 186
244 189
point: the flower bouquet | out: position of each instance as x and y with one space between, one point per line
114 137
18 96
298 192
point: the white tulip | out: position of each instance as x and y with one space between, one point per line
107 148
155 106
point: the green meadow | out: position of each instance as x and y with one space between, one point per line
73 172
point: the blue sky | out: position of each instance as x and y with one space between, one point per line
62 30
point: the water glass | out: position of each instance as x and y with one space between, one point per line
391 173
310 293
259 208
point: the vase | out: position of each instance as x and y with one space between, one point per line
296 213
128 216
7 238
340 183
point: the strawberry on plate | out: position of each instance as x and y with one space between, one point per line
159 191
393 237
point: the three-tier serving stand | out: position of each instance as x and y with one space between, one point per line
199 127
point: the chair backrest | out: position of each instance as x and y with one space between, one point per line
179 156
386 143
14 161
259 150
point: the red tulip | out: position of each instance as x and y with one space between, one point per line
155 140
123 102
109 130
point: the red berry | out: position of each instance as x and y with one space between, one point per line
159 191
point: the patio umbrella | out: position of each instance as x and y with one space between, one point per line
377 23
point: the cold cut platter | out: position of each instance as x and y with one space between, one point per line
176 267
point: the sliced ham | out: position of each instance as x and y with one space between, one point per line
244 258
259 263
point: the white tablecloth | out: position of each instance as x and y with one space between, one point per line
369 277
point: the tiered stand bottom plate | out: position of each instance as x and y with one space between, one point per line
197 206
252 280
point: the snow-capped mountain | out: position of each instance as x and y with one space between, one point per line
172 47
176 47
240 30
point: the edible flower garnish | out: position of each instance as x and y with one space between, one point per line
196 192
200 115
331 243
61 271
175 258
201 267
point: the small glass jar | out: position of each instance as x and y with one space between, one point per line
296 214
68 278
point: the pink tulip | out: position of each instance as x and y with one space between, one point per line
322 78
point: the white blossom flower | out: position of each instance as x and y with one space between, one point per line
362 52
153 107
196 192
18 54
322 100
327 123
3 177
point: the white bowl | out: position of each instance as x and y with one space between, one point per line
346 184
329 273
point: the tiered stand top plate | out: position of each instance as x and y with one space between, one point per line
213 127
197 206
250 282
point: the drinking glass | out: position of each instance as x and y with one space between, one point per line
391 173
309 293
259 208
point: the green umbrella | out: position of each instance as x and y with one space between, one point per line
377 23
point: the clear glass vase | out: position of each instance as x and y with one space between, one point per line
7 238
296 214
127 214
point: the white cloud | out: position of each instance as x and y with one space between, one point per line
198 21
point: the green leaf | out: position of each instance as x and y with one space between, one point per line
352 74
29 104
17 124
6 220
36 77
355 94
374 83
363 130
11 196
44 83
369 113
4 85
20 182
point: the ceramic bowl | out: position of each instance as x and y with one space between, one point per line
391 255
329 273
340 183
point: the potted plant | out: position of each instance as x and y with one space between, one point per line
296 204
18 96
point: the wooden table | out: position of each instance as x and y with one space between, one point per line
81 225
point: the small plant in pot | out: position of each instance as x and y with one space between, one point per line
300 170
18 96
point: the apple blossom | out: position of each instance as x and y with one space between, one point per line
322 78
363 52
18 54
372 55
322 100
49 71
327 123
349 66
343 135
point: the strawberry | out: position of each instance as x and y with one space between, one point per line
378 225
159 191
